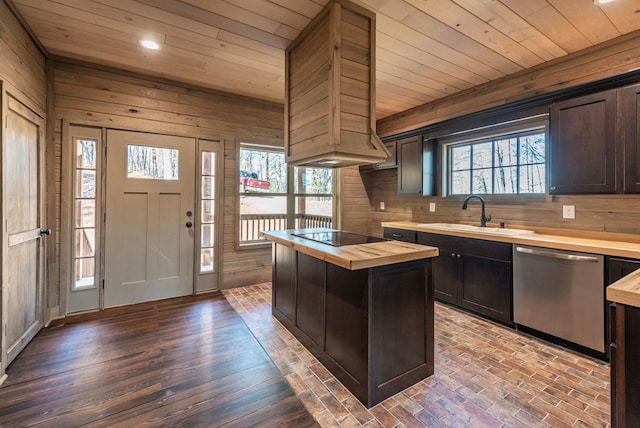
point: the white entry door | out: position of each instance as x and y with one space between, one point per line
149 228
22 285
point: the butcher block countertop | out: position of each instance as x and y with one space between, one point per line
609 244
353 257
626 290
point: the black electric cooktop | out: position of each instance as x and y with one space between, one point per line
339 238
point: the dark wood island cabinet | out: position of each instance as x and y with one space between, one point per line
625 344
365 311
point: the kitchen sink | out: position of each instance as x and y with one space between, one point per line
477 229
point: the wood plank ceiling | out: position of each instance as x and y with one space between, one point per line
426 49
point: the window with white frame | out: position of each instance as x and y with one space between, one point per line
84 212
274 197
513 163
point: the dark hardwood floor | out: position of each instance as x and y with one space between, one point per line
179 362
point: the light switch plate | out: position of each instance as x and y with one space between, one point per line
568 211
381 206
432 207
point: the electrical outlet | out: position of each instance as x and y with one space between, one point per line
381 206
568 211
432 207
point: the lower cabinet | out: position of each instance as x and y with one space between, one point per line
625 366
624 336
473 274
372 328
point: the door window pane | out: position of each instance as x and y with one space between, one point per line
156 163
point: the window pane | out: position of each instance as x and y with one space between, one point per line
506 152
260 213
262 171
461 183
85 183
460 158
85 154
85 213
206 260
155 163
208 161
312 211
313 180
482 181
532 178
207 235
208 187
208 210
85 242
532 149
506 180
482 155
84 270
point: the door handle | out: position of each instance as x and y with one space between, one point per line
188 224
45 231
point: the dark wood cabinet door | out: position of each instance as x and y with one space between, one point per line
583 141
625 368
446 276
284 281
485 287
310 297
409 152
631 123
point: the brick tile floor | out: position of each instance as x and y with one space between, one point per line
486 375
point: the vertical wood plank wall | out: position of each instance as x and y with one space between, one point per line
91 95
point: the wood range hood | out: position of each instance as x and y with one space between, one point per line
330 90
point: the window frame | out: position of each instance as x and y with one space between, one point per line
289 196
517 128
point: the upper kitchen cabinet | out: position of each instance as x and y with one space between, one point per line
583 141
631 126
416 166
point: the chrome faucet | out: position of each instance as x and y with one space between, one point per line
483 219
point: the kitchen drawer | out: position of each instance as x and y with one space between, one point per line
400 234
478 247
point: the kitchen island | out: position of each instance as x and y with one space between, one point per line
363 306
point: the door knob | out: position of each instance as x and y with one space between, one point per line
189 224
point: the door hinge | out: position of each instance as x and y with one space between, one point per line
103 284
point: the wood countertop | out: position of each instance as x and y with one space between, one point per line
353 257
599 245
626 290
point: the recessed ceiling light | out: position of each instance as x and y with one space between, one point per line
150 44
599 2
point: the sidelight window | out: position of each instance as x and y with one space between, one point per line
85 196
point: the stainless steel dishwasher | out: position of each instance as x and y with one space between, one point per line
560 293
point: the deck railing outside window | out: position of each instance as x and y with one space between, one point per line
252 224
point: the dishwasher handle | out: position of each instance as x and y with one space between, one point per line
554 255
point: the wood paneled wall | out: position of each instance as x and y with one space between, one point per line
610 213
92 95
594 213
22 64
